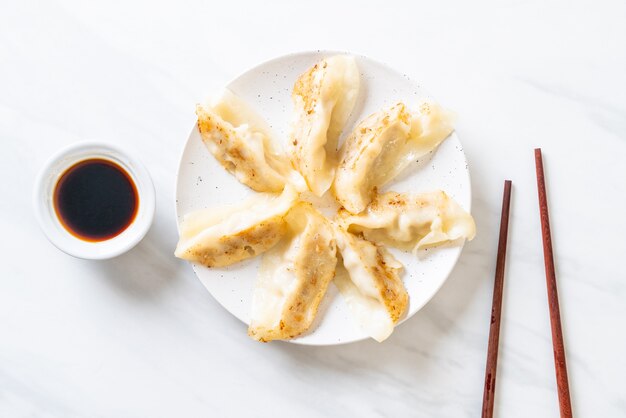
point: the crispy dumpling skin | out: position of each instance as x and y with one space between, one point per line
243 144
370 283
220 237
293 277
411 221
382 145
375 140
323 98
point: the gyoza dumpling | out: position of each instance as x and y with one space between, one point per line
243 144
294 276
370 284
382 145
219 237
323 98
411 221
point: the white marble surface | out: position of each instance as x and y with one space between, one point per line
139 336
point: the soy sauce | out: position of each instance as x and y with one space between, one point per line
95 200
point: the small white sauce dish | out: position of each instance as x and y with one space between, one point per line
43 200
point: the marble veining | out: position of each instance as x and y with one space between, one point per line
139 335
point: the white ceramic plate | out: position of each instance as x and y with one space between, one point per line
202 183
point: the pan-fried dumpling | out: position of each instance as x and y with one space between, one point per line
411 221
294 276
219 237
370 284
323 98
243 144
382 145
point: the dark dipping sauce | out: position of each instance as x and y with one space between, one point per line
95 200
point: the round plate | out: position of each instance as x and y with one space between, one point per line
202 183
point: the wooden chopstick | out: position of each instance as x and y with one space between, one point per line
496 307
565 405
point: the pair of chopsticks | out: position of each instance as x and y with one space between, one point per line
553 300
